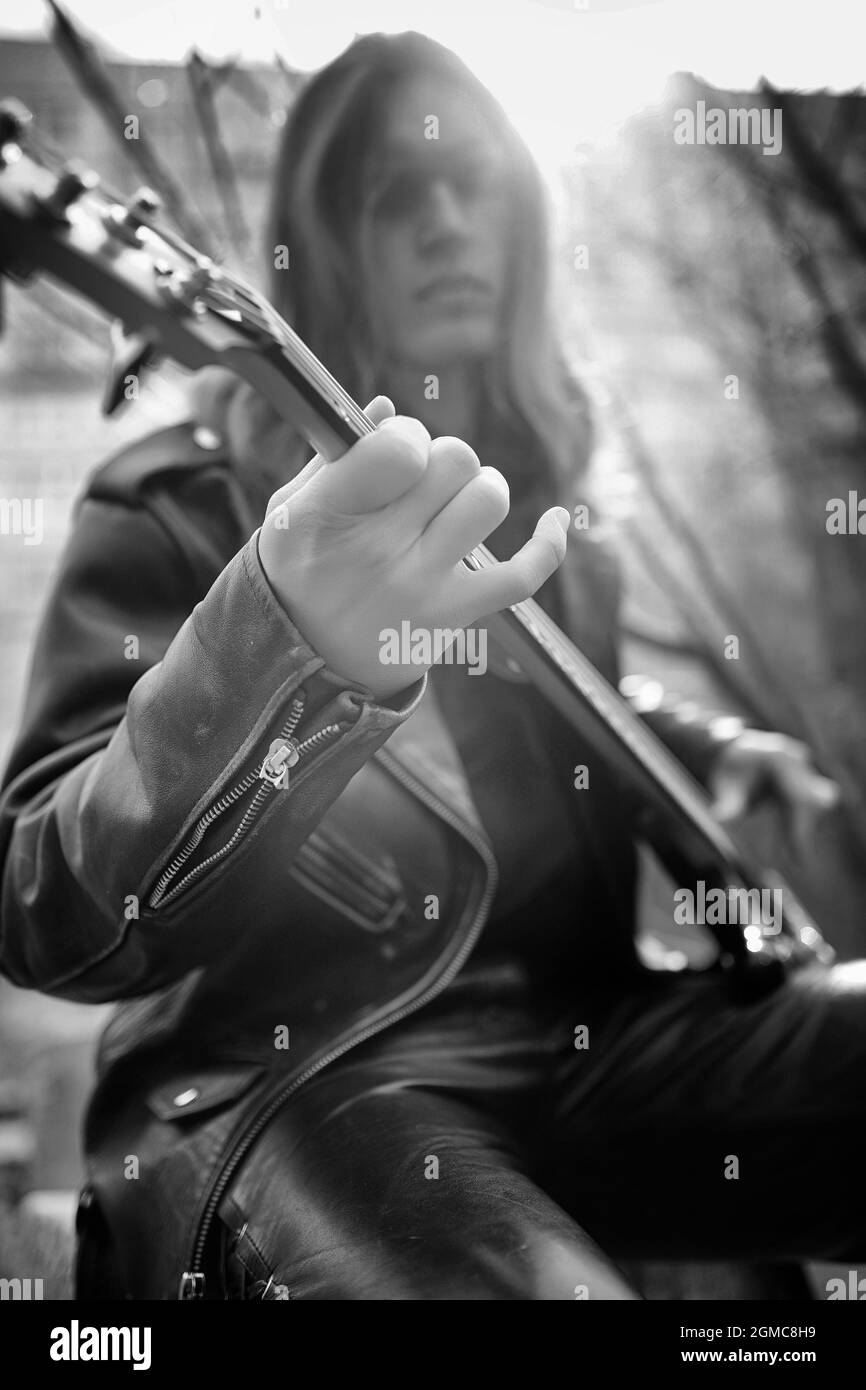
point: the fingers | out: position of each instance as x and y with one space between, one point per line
825 792
379 409
733 792
450 466
477 509
758 766
810 788
377 470
808 797
517 579
397 461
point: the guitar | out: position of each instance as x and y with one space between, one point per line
174 302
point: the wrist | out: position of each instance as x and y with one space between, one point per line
387 686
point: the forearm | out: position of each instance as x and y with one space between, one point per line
87 847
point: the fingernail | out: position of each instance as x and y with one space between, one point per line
563 516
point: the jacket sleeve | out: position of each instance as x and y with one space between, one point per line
148 717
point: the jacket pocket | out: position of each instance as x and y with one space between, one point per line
366 890
203 1090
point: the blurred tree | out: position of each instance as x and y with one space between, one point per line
727 308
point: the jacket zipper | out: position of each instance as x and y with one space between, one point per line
192 1282
285 752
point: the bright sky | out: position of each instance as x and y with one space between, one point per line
566 70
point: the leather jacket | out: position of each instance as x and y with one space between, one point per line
254 931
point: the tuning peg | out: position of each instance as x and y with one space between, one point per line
193 281
184 285
130 354
124 220
71 183
144 203
14 120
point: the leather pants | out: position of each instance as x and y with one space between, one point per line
512 1141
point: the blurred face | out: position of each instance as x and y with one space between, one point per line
436 256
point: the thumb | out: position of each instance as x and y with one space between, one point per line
380 408
731 796
826 794
806 813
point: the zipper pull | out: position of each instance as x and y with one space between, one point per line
282 754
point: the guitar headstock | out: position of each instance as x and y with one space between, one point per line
57 219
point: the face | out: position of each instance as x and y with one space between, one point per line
438 211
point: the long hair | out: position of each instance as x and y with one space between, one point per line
535 415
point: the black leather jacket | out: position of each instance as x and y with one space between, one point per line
253 931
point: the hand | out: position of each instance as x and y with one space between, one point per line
757 765
361 545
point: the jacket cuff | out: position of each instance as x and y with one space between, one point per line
204 717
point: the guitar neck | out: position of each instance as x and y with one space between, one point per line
551 661
597 711
673 811
58 220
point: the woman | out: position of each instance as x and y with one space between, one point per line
386 1034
